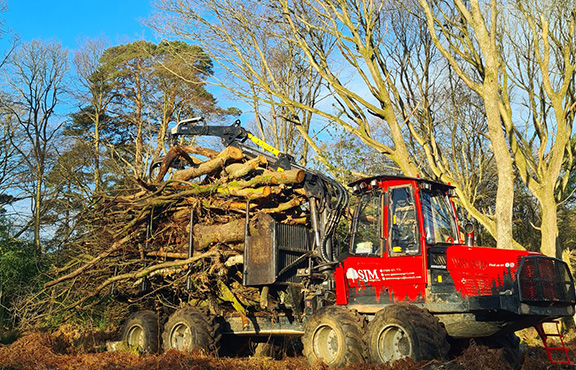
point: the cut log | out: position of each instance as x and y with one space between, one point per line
175 255
296 220
290 177
283 207
206 235
248 193
237 170
260 225
229 233
230 154
226 205
205 152
234 260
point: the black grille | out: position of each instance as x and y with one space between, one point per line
545 281
292 244
276 257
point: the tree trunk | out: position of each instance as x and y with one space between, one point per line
491 94
236 170
139 163
97 152
504 165
549 226
167 111
37 213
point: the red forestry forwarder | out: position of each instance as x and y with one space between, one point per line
406 285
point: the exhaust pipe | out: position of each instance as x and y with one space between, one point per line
469 230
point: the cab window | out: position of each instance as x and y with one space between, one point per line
367 229
403 223
439 218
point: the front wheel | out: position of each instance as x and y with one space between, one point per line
406 331
189 329
334 335
141 332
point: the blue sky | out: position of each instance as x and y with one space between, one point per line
67 21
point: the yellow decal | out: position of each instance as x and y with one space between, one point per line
264 145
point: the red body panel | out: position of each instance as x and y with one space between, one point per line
479 271
476 271
382 280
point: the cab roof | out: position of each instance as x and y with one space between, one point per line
368 180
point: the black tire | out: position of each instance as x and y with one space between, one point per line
401 331
509 343
141 332
334 335
189 329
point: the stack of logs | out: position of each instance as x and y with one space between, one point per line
142 246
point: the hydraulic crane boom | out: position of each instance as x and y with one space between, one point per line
234 135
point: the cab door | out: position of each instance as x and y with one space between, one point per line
386 263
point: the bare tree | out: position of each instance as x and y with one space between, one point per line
35 83
540 61
543 148
249 41
288 72
275 123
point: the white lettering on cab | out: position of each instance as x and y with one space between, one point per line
379 275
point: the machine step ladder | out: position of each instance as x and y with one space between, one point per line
555 347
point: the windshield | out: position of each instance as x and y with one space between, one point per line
439 219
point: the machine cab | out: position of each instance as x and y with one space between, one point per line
395 220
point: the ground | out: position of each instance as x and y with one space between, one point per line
68 349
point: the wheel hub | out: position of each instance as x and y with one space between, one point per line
181 337
394 343
326 343
136 338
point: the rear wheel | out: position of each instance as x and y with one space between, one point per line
403 330
141 332
334 335
189 329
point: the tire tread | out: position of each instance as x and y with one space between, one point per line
207 328
148 320
351 324
428 334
